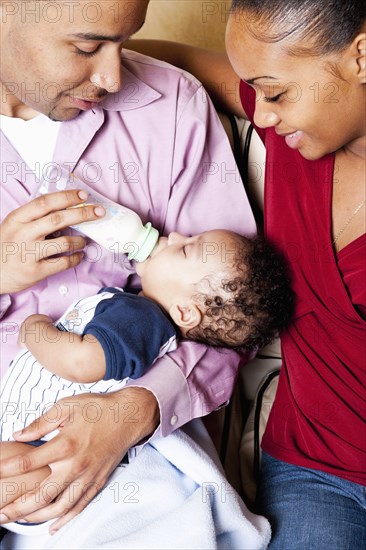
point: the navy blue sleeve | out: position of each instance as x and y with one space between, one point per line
132 331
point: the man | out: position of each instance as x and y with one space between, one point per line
144 135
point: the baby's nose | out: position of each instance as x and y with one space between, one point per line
174 238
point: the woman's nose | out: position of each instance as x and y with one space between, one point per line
264 115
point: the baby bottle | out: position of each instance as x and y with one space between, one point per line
120 230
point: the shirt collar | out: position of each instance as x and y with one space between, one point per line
134 93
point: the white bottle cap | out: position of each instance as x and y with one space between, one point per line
147 244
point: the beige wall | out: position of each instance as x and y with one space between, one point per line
197 22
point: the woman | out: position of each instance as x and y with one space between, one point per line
302 67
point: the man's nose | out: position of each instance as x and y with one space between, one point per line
110 76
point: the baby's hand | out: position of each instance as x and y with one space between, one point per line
33 327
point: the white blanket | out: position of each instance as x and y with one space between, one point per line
173 495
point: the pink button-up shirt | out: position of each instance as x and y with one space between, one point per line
157 147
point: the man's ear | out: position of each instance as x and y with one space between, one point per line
186 317
360 49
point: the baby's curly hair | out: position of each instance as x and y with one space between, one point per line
250 303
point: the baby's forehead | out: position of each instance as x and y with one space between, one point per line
219 235
220 239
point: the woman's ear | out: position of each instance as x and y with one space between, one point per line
185 317
360 48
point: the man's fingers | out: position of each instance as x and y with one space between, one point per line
45 424
37 457
60 219
43 268
80 466
51 266
22 464
68 504
49 213
52 248
45 204
63 500
78 507
62 245
44 494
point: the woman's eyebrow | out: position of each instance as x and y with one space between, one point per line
252 80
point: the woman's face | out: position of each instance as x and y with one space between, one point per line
315 111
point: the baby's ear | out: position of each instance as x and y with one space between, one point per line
185 317
360 42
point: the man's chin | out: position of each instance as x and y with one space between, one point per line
63 115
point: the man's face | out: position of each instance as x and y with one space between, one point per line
60 58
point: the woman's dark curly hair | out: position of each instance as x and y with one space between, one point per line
249 308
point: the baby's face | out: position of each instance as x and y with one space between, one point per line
178 263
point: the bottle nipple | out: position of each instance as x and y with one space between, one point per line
146 245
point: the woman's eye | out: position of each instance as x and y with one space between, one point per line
273 99
87 54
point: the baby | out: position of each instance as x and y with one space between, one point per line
218 288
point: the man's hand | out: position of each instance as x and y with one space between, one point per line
95 433
27 256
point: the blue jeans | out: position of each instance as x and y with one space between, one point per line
309 509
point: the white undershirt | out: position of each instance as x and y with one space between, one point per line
34 139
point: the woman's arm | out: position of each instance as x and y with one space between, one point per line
212 68
76 358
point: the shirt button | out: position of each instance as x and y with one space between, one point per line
173 420
63 290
